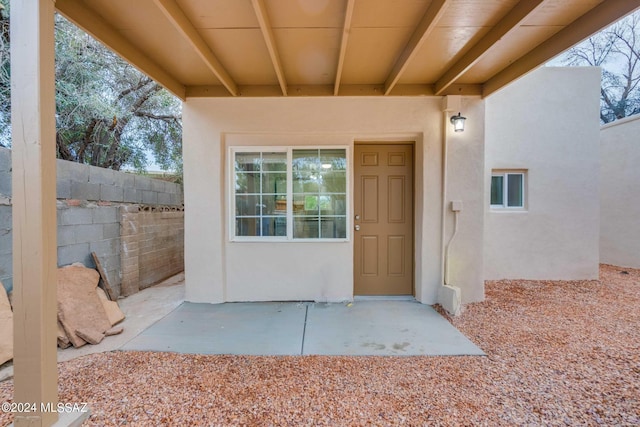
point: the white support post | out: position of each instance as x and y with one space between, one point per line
34 209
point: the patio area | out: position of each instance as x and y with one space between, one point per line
361 328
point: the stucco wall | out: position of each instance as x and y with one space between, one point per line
620 193
218 270
546 123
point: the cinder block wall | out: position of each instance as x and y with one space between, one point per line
6 267
89 203
152 246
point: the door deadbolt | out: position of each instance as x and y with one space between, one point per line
357 228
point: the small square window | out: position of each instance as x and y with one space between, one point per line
507 189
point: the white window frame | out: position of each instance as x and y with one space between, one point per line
504 173
231 186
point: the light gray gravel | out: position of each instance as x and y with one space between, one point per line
559 353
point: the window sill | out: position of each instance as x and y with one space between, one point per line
502 210
275 240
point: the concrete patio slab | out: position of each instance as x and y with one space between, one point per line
235 328
383 328
363 328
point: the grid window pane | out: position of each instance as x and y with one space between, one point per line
333 159
306 161
261 194
274 183
247 182
305 182
305 227
515 190
319 193
274 226
333 228
274 162
247 226
333 182
248 162
248 205
316 200
497 190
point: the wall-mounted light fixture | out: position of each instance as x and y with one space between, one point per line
458 123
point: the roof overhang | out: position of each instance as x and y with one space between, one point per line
212 48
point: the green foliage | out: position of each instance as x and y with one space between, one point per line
5 76
108 114
617 50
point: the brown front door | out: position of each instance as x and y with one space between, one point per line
383 208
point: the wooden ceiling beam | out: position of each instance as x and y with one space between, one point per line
327 90
269 39
518 14
96 26
346 30
591 22
180 21
423 30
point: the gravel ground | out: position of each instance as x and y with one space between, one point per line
559 353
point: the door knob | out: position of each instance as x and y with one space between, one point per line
356 227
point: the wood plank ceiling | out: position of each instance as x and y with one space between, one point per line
340 47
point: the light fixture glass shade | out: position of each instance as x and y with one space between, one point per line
458 123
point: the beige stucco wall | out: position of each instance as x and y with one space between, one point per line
548 124
620 193
219 270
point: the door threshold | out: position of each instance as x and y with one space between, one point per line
384 298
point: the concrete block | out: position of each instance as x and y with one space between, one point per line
142 182
88 233
128 179
5 217
114 278
110 261
77 172
170 187
59 213
150 197
6 241
132 195
85 191
101 175
105 215
62 171
75 253
164 198
104 248
63 189
176 199
5 159
5 183
112 193
111 231
66 235
157 185
118 178
76 216
6 265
